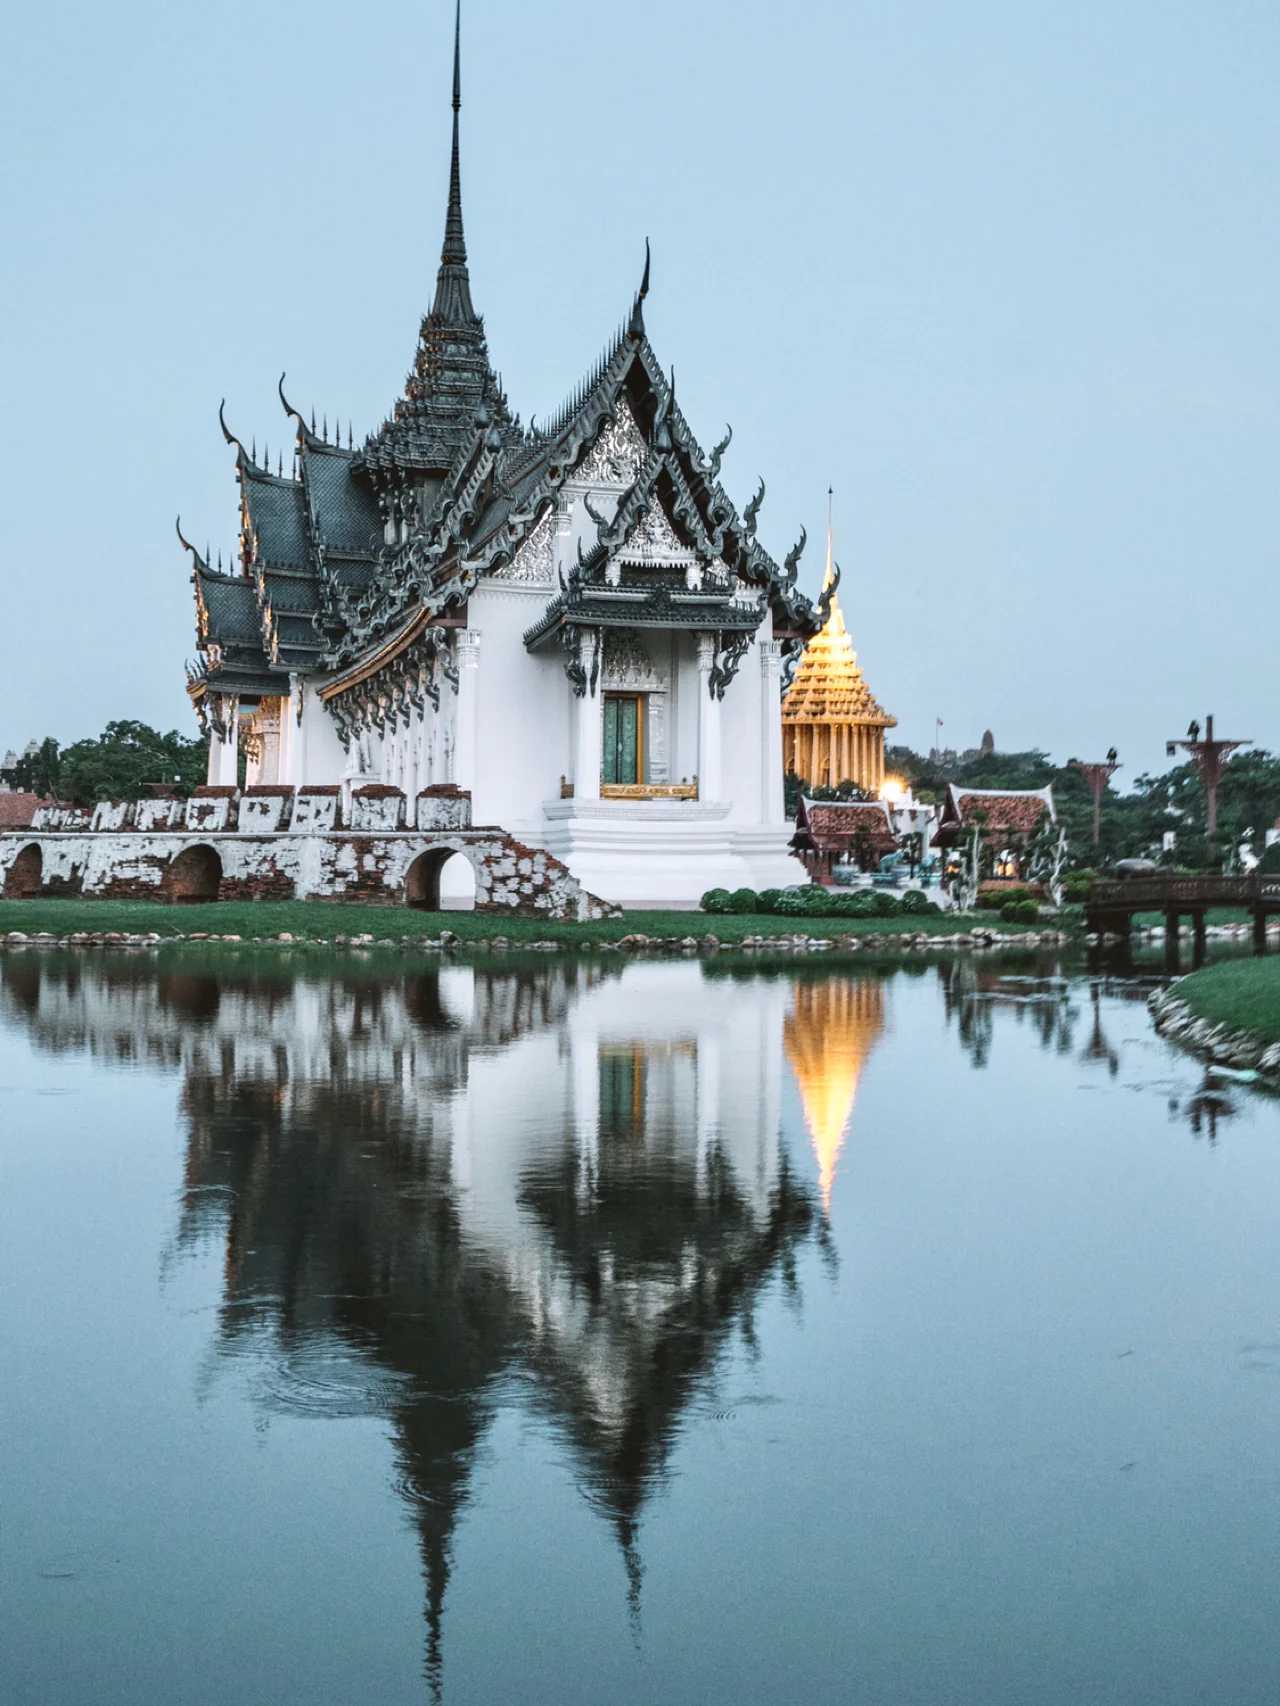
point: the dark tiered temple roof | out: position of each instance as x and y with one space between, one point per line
357 543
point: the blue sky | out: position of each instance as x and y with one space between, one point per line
1006 274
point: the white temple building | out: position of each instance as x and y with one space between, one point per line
572 622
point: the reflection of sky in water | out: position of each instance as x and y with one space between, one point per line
659 1333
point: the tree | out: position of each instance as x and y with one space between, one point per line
126 759
1133 824
36 772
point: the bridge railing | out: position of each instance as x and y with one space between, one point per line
1155 894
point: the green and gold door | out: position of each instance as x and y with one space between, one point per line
622 764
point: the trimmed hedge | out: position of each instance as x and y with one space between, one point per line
1020 911
818 902
995 900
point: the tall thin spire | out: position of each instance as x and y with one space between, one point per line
455 248
453 285
451 379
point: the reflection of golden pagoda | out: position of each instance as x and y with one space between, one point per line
832 728
828 1035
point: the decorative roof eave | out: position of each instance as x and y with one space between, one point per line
877 718
424 617
229 675
598 608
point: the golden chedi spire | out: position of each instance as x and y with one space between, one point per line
828 1036
832 726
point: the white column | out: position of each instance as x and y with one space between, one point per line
291 750
590 730
466 741
771 806
709 782
225 709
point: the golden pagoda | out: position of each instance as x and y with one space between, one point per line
828 1036
832 727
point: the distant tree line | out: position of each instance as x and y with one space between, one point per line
1134 822
121 764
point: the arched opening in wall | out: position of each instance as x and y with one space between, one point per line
458 884
25 877
440 880
194 875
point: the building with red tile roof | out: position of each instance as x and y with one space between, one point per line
827 830
17 810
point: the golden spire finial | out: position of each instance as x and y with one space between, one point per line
826 579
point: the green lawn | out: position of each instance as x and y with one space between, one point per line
309 920
1244 994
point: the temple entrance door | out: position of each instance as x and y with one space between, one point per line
622 760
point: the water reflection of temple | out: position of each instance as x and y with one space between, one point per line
425 1185
829 1033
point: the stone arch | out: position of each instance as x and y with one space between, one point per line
422 880
25 877
193 875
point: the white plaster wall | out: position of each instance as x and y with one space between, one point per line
317 754
523 718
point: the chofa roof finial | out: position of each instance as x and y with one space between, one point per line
636 324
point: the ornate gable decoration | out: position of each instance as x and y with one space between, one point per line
533 563
614 460
654 540
628 667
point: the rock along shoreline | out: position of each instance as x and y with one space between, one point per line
1219 1044
448 942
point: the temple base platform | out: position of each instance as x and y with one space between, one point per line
664 853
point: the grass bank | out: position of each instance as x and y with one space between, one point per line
1243 994
309 920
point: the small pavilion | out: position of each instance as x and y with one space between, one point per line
827 830
832 726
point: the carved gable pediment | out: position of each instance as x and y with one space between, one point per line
614 460
628 668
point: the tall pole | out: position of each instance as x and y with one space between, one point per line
1207 757
1097 776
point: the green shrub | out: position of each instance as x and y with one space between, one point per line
845 905
1075 885
995 900
717 900
886 905
916 904
1020 911
744 900
767 900
791 905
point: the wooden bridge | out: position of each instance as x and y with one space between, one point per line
1111 906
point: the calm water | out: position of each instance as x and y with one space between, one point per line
653 1334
